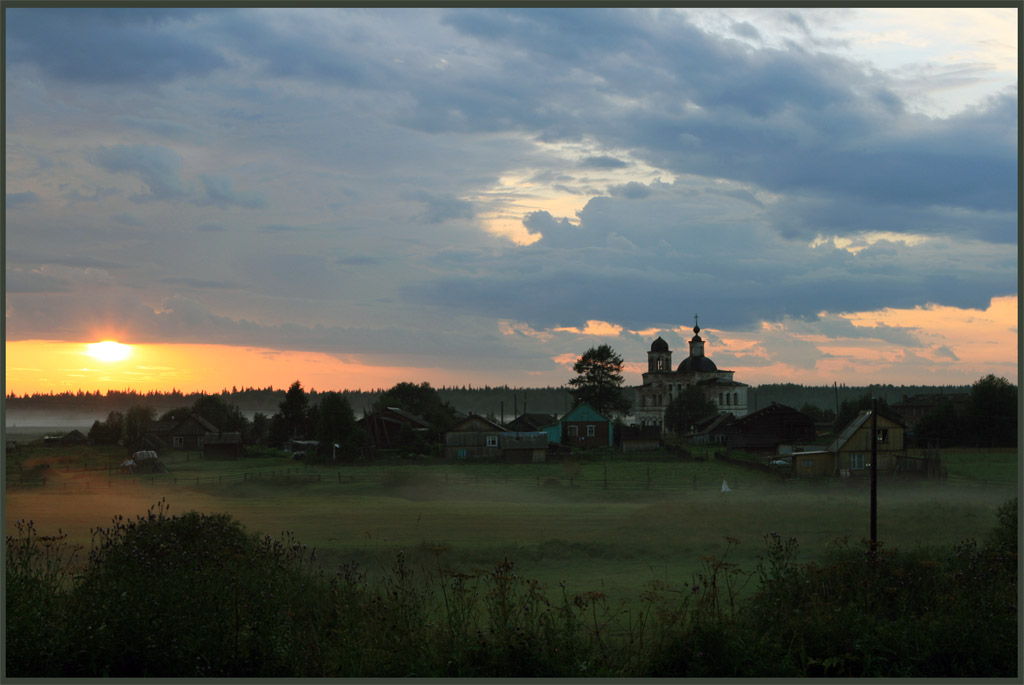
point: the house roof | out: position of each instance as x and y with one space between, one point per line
477 419
773 408
712 422
396 415
533 420
206 425
855 425
584 412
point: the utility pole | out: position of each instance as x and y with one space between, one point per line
874 475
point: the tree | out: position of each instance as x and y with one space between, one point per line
108 432
335 423
420 400
687 408
135 422
292 419
599 380
942 426
992 412
177 414
850 409
226 417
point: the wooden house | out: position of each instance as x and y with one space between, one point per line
582 427
523 446
391 427
711 429
849 455
766 429
189 433
479 438
474 438
75 437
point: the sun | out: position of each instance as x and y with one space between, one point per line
109 351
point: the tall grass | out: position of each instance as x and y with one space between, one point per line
195 595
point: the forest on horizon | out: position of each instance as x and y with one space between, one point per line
486 400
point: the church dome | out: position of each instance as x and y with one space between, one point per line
659 345
697 365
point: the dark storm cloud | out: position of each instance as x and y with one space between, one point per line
131 46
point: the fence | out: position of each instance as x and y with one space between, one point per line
299 475
393 478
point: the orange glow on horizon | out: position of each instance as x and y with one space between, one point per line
44 366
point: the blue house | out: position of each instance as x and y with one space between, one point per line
582 427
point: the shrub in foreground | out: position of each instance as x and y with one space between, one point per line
197 596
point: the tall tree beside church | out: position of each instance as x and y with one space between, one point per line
686 408
599 380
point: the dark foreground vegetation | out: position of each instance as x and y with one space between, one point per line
197 595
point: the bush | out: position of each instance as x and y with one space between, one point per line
197 596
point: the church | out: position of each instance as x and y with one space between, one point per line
661 383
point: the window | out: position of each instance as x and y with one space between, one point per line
462 454
591 430
882 435
574 431
178 441
807 463
492 440
856 461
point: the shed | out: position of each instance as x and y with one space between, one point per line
223 446
75 437
639 438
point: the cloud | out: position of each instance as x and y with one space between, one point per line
441 209
132 46
369 172
15 200
218 192
159 168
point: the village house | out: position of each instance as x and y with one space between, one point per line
479 438
661 382
582 427
849 455
392 427
767 428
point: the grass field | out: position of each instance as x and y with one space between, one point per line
469 517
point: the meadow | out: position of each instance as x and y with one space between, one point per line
599 523
591 566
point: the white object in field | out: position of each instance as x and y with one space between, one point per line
725 487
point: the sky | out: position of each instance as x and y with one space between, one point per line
353 198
